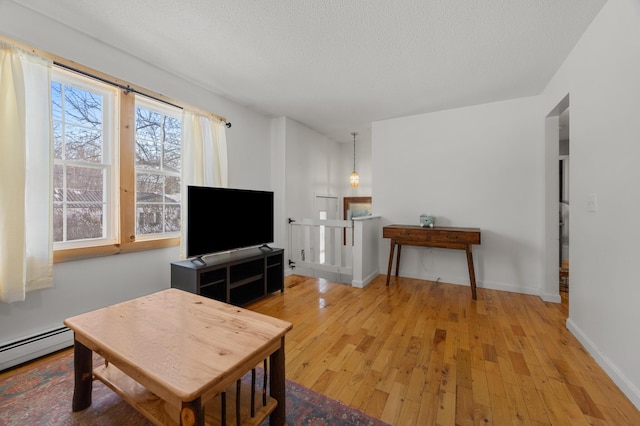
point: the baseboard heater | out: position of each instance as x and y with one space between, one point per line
30 347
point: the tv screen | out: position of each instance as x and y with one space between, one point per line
224 219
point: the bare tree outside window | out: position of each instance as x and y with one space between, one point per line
158 157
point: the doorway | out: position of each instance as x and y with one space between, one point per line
564 204
556 192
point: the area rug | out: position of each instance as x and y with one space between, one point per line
43 395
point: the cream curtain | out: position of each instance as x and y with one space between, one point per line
26 187
204 158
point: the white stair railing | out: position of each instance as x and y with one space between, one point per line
318 245
339 250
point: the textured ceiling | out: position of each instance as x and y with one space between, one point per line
338 65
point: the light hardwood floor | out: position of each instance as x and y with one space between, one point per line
422 353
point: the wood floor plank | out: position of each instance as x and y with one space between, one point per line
480 387
376 403
446 408
427 414
573 413
361 395
394 404
410 413
465 409
482 415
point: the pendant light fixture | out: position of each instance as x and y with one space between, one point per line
354 179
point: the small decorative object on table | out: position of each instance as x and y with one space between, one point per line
427 221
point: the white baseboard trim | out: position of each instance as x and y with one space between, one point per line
491 285
365 281
553 298
534 291
33 346
625 385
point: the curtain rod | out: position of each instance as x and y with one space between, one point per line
64 63
127 88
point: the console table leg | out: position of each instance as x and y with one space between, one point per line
391 250
83 376
277 389
472 274
398 259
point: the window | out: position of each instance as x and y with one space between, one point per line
158 154
117 164
83 145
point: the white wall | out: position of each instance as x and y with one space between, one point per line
601 76
479 166
313 165
87 284
279 181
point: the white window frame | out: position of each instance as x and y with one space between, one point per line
109 164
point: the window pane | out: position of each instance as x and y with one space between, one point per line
157 203
149 202
82 107
83 143
157 140
172 218
172 148
172 189
147 155
84 221
79 202
85 184
77 123
149 219
78 184
149 188
172 204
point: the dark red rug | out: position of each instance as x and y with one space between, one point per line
42 396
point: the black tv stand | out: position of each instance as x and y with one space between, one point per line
265 247
237 278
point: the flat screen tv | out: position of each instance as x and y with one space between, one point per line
225 219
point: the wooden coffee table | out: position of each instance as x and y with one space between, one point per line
173 353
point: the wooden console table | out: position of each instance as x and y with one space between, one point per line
438 237
171 353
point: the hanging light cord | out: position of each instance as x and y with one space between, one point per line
354 150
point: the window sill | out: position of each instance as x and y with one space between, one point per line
65 255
